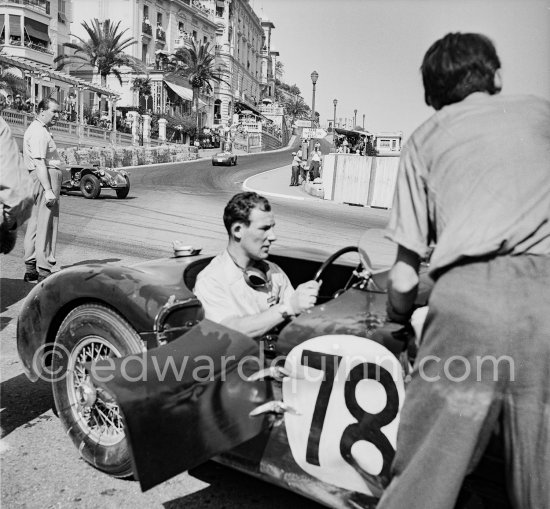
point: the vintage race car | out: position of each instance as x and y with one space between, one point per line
225 157
144 385
90 179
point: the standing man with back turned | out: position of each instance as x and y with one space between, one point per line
475 180
42 161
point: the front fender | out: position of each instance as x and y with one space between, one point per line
136 292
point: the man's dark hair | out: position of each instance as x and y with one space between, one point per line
458 65
44 104
240 206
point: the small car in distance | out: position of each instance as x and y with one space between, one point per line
90 179
225 157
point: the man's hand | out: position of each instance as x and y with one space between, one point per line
50 198
304 297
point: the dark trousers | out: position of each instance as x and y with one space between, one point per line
294 176
304 174
315 169
484 354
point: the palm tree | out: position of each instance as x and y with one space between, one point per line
104 50
296 108
143 87
197 64
13 83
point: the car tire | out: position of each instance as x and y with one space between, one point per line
123 192
214 164
90 417
90 186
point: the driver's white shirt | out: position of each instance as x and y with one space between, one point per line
223 292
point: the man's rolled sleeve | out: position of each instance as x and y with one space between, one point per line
408 225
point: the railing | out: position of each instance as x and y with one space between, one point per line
147 29
35 5
38 47
209 13
272 129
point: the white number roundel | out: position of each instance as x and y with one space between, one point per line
348 392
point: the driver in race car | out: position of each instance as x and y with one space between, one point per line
240 288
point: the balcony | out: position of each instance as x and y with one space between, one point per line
146 29
40 6
205 11
183 41
29 50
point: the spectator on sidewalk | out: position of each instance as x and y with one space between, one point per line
295 169
15 185
43 163
316 158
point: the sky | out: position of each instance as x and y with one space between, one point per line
368 52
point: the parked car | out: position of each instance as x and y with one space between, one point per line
91 179
225 157
313 408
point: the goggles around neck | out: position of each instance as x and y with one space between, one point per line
257 276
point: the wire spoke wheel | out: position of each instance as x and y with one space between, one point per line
94 410
91 417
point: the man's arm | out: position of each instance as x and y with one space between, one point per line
403 285
303 298
44 177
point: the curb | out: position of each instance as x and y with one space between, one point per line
246 187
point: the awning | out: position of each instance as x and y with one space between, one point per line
185 93
1 23
36 29
15 26
247 106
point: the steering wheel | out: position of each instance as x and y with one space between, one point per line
331 259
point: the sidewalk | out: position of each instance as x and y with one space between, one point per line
276 183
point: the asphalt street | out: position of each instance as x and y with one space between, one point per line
181 201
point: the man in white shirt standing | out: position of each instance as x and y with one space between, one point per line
240 288
43 163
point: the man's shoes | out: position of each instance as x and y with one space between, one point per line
30 276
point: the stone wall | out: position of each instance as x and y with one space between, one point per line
129 156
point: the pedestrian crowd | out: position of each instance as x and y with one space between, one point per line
304 167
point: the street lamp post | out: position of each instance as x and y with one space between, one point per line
363 121
314 78
354 118
335 102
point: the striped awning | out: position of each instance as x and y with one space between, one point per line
15 25
37 30
185 93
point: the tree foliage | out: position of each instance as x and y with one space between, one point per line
295 107
197 65
103 50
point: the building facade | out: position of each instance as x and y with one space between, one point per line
240 40
32 34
